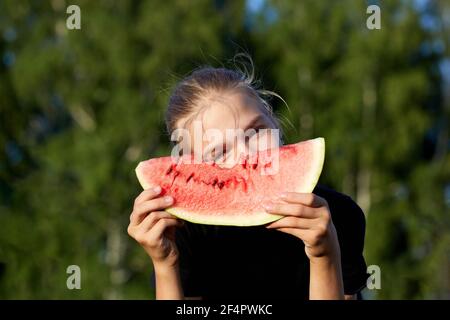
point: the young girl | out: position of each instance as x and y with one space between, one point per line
313 252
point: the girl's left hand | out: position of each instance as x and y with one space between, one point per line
308 218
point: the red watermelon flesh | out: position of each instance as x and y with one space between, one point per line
209 194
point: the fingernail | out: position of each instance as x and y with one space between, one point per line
283 195
157 189
168 199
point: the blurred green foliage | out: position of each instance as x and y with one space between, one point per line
80 108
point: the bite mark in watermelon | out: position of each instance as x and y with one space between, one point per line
208 194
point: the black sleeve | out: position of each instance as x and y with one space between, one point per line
188 241
350 224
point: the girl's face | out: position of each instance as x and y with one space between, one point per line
225 113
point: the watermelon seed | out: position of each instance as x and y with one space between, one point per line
177 173
169 171
221 184
190 177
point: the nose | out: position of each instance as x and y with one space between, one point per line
262 140
244 147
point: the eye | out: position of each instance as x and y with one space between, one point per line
253 131
216 153
220 152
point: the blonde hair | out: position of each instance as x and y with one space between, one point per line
188 94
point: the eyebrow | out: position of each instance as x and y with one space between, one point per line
253 122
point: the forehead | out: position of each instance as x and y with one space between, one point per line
229 110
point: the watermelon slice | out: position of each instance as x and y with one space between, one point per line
207 193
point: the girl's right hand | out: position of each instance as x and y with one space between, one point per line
153 228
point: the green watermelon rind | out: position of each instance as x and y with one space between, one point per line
256 218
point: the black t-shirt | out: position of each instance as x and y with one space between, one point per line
255 262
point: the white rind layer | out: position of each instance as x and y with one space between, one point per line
316 170
255 219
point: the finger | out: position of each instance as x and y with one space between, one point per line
147 194
158 229
143 209
290 209
150 220
307 199
292 222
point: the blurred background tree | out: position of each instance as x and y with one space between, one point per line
80 108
